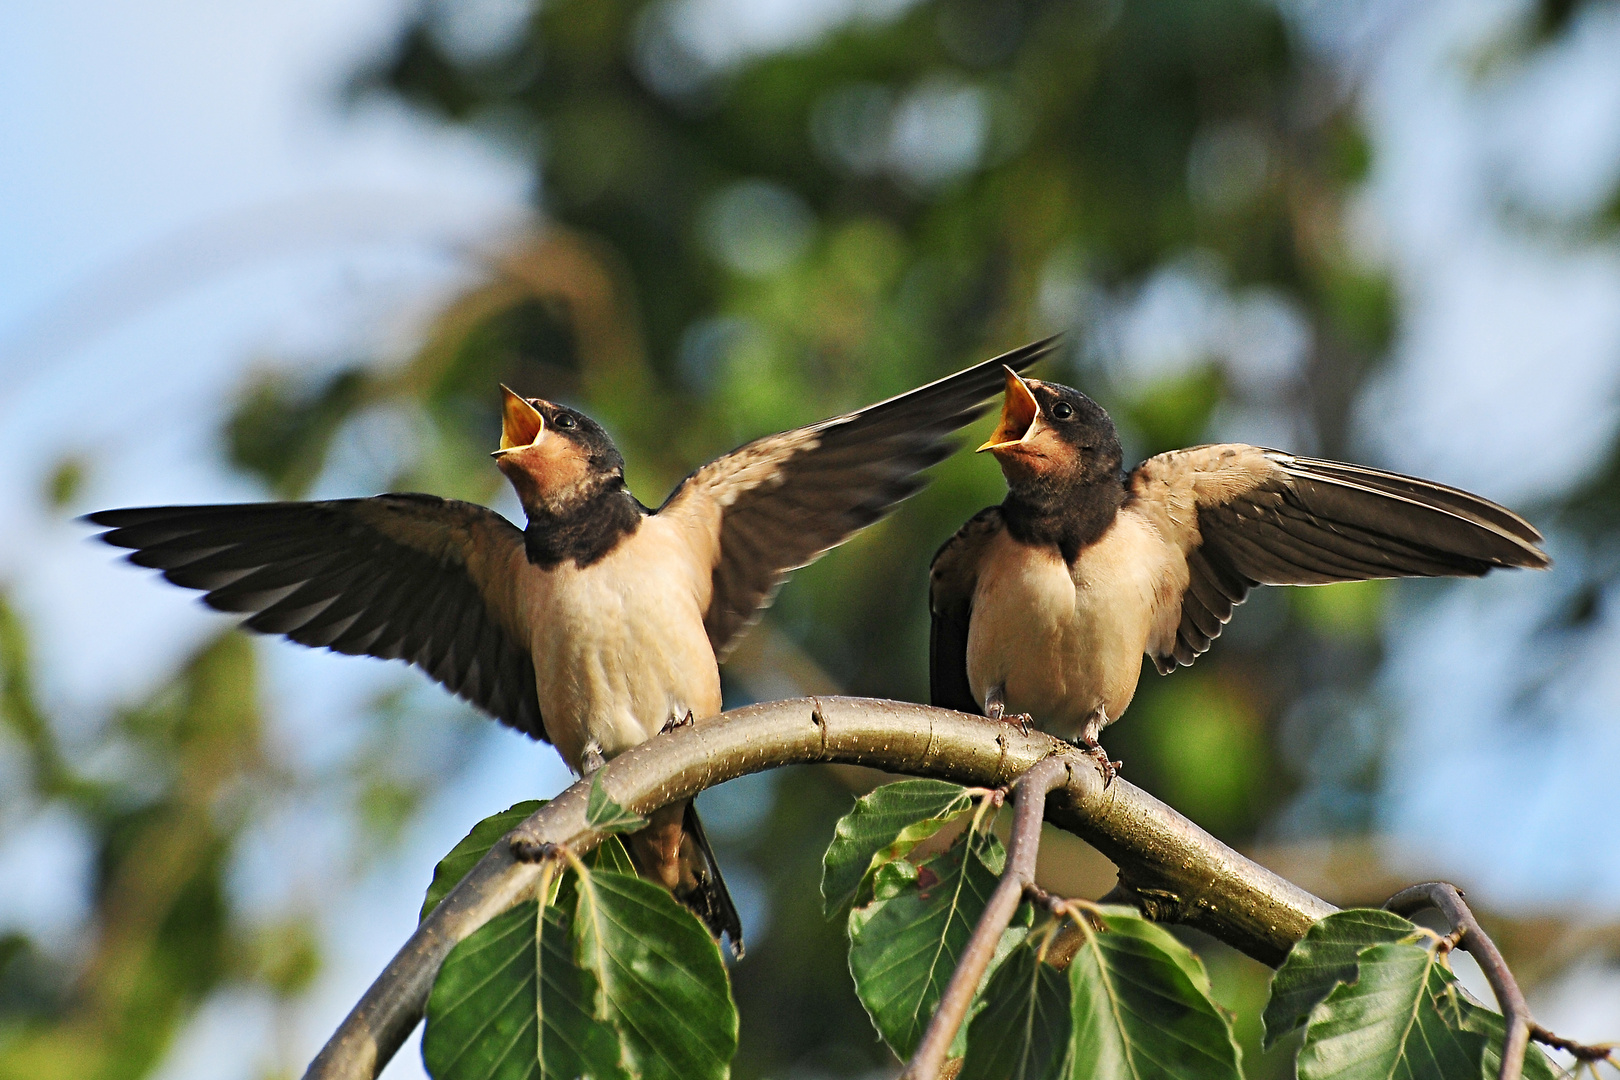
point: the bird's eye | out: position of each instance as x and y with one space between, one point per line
566 421
1062 410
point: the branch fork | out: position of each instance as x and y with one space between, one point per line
1468 935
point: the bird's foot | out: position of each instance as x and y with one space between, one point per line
591 760
995 707
676 722
1021 721
1110 769
533 851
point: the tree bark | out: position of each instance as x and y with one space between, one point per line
1167 865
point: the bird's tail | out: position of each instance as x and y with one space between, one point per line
674 851
707 895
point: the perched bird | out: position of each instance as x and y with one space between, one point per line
1044 605
601 623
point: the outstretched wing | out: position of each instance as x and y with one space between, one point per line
952 578
1246 516
777 503
411 577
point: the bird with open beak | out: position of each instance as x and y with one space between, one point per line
1043 606
601 623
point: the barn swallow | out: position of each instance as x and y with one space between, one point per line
601 623
1043 606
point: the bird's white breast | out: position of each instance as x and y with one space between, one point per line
1066 641
619 647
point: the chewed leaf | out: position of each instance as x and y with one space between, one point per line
474 846
1324 958
603 814
1391 1023
883 826
905 944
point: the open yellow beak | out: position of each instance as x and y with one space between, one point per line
521 423
1019 411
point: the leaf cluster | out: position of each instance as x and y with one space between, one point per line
605 975
1095 992
1099 992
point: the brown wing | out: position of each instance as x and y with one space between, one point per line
1246 516
952 577
411 577
777 503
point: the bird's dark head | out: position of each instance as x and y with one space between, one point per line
1052 436
557 458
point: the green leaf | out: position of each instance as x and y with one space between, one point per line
662 982
611 854
605 815
485 1020
1141 1007
1390 1023
1022 1030
905 944
454 866
1324 958
1470 1015
882 827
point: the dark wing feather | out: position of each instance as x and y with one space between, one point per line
1248 516
779 502
410 577
952 578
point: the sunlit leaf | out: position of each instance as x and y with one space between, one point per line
883 826
1022 1029
662 982
1389 1023
572 1042
1324 958
472 847
905 944
603 814
1141 1007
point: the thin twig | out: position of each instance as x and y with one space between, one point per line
1579 1051
1191 877
1515 1010
1029 811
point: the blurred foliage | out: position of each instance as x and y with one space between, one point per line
162 795
725 249
162 936
65 482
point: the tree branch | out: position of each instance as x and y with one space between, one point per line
1174 870
1029 808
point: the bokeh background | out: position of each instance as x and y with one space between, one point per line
287 250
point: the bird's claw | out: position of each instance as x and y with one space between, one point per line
1110 769
1019 720
676 722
